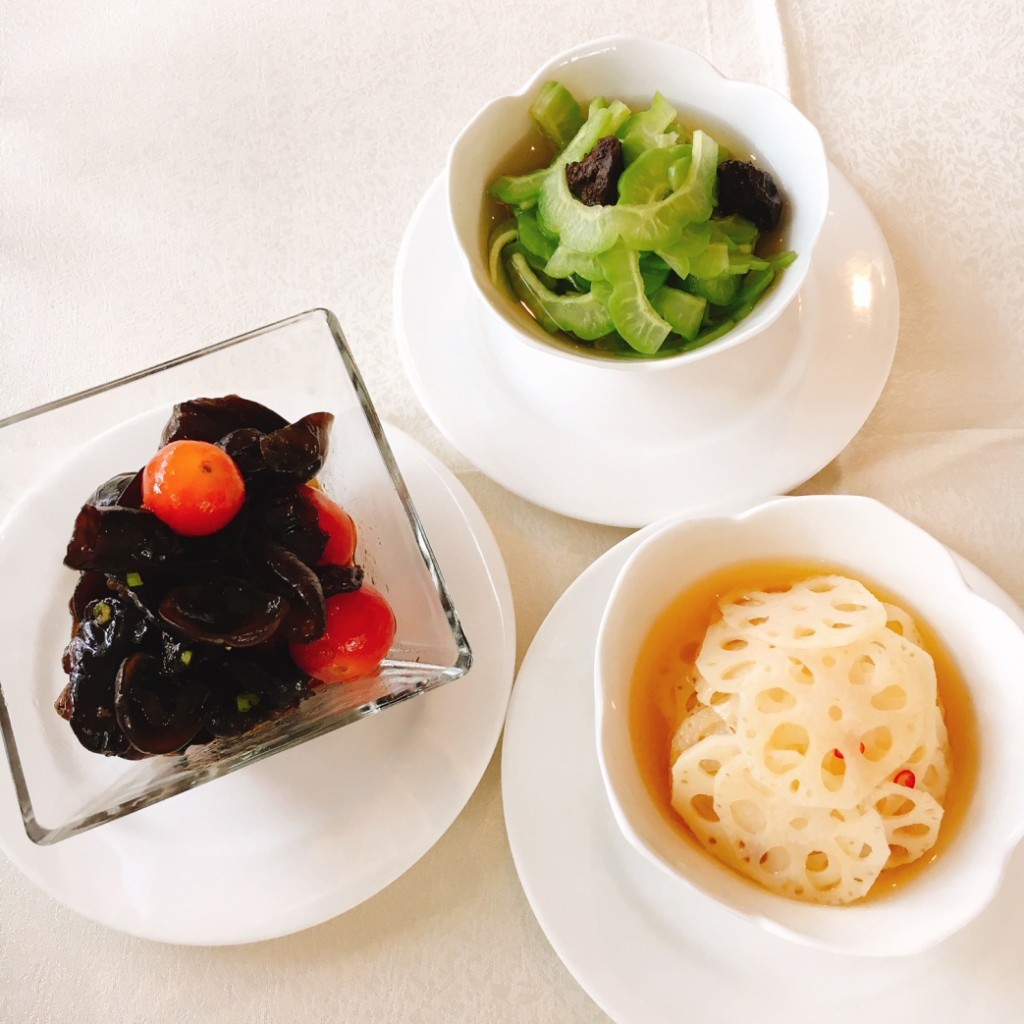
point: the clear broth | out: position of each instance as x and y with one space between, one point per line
675 639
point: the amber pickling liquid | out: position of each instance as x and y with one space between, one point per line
674 642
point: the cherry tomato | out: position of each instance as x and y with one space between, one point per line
194 487
337 524
360 631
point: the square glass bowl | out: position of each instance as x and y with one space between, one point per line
53 457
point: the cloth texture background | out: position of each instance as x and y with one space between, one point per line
178 173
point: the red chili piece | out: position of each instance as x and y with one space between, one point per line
905 778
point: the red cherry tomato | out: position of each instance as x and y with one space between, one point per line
337 524
194 487
360 631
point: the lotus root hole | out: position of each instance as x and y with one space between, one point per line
915 830
816 861
863 670
892 698
833 772
800 672
774 700
790 736
894 806
748 816
775 860
734 672
704 806
877 743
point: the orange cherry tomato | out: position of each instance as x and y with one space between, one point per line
360 631
194 487
337 524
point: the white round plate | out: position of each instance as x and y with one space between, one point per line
846 319
651 954
297 839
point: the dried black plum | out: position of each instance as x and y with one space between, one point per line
210 419
223 610
594 180
158 713
115 539
298 450
750 192
290 577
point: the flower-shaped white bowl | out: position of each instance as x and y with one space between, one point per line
633 69
871 541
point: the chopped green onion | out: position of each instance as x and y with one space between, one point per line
133 579
102 613
186 657
245 702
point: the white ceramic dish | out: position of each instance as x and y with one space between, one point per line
311 842
843 329
632 69
875 544
656 956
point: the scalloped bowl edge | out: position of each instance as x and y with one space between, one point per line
869 538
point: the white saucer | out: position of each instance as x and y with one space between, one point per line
258 854
846 319
651 954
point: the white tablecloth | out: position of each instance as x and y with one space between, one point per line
177 173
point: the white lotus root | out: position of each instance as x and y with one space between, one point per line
825 611
729 661
911 818
900 622
704 722
854 717
805 763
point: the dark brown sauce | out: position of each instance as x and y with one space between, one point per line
674 641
